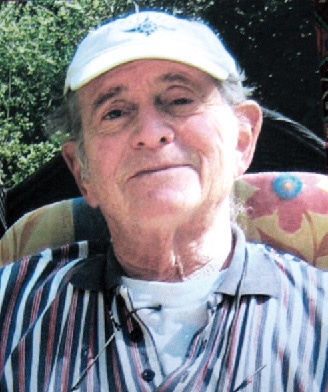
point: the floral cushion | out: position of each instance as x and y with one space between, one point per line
288 211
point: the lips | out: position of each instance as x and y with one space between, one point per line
157 169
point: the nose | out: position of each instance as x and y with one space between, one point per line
152 130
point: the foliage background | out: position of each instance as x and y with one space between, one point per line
37 41
274 41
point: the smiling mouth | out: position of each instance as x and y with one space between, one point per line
150 171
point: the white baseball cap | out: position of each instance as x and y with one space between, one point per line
149 35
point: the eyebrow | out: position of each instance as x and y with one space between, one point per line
177 77
110 94
113 92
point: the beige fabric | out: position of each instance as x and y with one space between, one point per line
48 226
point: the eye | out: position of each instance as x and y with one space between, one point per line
181 101
113 114
179 104
115 117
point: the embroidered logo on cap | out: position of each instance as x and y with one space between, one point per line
147 27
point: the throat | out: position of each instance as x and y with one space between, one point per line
173 259
179 270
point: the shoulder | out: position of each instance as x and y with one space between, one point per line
291 270
46 262
36 291
45 272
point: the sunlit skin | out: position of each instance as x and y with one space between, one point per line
163 150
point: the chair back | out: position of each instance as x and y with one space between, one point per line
288 211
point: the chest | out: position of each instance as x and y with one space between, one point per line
246 346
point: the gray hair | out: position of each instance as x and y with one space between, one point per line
67 120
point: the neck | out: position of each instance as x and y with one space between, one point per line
174 255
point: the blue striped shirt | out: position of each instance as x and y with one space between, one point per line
67 324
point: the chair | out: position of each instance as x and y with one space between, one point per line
288 211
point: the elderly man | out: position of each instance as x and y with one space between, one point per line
176 301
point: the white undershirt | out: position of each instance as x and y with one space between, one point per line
182 314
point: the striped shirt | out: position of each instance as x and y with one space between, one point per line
67 324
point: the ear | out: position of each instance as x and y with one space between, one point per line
250 118
70 155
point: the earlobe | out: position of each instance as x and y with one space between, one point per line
70 155
249 115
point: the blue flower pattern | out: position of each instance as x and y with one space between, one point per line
287 186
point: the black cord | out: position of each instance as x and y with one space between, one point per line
116 327
248 380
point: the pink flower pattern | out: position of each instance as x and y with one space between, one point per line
268 199
296 205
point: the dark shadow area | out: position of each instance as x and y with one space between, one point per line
275 43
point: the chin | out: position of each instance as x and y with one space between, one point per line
165 212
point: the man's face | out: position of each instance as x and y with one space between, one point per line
162 146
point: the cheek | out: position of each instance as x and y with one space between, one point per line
216 142
103 156
103 147
214 136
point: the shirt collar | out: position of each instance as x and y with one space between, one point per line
260 274
250 272
101 272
